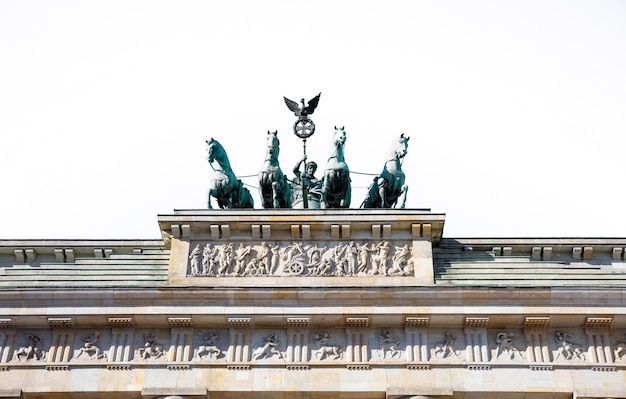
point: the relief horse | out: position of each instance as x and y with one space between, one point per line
387 187
224 185
336 190
273 186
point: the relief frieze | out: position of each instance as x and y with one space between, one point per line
307 346
314 259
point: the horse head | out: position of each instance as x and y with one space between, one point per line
399 146
272 145
215 152
339 136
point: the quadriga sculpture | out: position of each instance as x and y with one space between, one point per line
336 189
387 187
273 186
224 185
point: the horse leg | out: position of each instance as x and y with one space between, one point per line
275 195
405 190
381 192
209 200
345 201
324 189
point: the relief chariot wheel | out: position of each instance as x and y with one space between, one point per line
295 268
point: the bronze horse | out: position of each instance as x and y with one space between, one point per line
273 186
336 190
224 186
389 185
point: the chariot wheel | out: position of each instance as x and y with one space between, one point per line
304 128
296 268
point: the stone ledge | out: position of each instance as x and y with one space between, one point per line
58 368
361 366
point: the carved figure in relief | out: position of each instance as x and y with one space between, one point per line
446 348
151 349
620 350
268 349
90 348
195 260
351 258
339 259
275 258
567 349
252 268
294 259
31 350
208 348
388 344
264 259
243 253
315 257
225 258
505 345
402 262
209 261
364 257
380 259
325 349
325 268
401 256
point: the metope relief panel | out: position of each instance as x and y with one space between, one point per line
314 259
269 346
328 346
447 345
619 348
569 346
88 346
508 345
210 345
30 346
387 344
151 345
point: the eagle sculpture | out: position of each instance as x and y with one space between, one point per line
302 111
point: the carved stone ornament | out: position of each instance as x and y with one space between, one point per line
389 345
311 259
151 348
31 349
90 349
566 349
269 348
325 348
208 349
504 341
446 348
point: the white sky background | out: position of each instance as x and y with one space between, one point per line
516 109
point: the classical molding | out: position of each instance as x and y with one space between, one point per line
239 322
6 323
534 321
60 322
598 322
476 321
297 321
121 321
357 321
180 321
